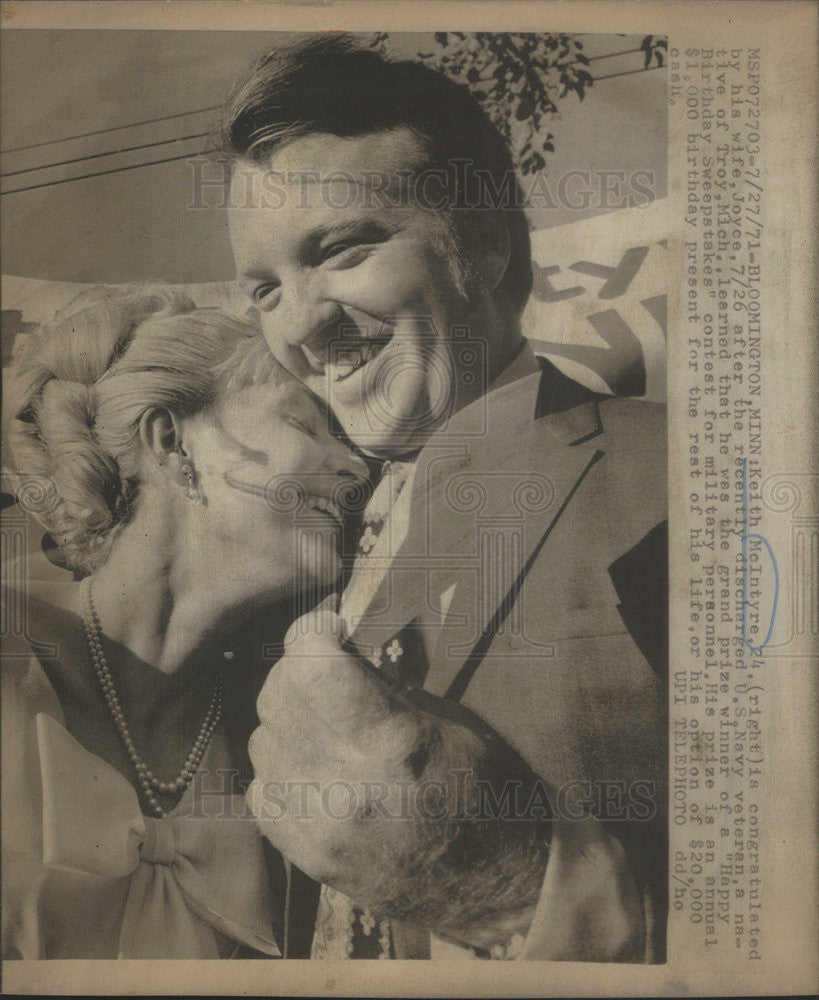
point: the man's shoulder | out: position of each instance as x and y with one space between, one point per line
634 422
635 470
629 424
560 392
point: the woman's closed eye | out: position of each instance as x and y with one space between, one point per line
301 425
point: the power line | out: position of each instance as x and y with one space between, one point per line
611 55
629 72
172 159
214 107
111 128
101 173
111 152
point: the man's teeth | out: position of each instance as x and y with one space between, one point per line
348 360
343 369
325 505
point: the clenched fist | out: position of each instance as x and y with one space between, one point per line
383 795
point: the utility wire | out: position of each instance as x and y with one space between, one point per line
611 55
216 107
171 159
110 152
111 128
628 72
101 173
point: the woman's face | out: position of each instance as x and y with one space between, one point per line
276 488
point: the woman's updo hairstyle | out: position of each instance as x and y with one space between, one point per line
81 386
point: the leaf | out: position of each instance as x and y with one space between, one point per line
519 79
524 110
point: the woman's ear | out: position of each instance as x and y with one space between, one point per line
159 434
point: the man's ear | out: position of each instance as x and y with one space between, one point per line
159 434
490 233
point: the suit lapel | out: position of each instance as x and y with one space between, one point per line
457 477
561 448
485 493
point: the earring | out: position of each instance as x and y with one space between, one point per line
191 492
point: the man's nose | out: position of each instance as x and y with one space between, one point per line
301 321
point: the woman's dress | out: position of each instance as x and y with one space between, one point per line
87 875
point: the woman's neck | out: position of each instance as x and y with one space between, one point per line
169 606
158 596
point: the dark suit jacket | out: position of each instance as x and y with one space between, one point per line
541 511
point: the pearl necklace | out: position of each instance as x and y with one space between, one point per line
147 780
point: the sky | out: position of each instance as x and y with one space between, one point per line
136 223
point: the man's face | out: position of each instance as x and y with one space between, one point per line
358 291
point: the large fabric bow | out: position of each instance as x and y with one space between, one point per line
192 872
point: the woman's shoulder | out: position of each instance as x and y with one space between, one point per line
56 594
35 634
38 610
26 692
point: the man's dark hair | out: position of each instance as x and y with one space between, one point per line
330 84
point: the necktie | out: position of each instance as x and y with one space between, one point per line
379 510
344 930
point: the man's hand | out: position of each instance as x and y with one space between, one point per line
383 795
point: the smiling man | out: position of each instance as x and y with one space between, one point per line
360 291
489 702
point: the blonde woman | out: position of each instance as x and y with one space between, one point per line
194 488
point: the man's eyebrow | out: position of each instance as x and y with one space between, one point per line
374 228
371 228
254 273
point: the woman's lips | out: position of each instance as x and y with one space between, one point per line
322 504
